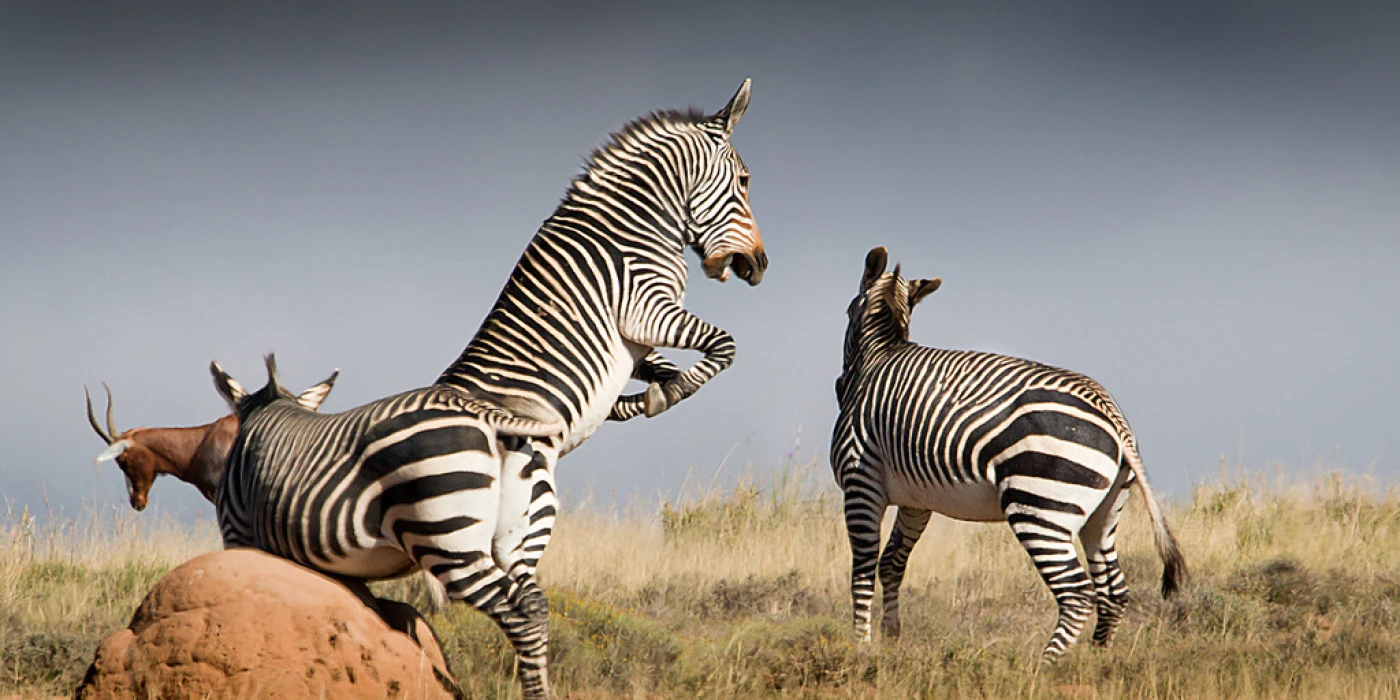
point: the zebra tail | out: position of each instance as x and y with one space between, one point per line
516 426
1174 572
437 595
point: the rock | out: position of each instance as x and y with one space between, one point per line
242 623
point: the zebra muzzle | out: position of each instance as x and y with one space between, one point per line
748 265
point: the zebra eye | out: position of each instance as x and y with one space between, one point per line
744 181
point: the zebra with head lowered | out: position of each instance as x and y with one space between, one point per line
458 478
981 437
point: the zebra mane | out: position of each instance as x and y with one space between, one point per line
642 127
270 392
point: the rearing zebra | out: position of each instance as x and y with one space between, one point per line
982 437
458 477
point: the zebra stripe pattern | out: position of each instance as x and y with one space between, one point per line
981 437
458 478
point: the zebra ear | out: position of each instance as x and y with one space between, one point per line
312 398
729 116
227 386
875 262
271 361
918 289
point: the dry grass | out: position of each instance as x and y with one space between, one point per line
744 593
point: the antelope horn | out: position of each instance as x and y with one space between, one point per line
111 427
92 419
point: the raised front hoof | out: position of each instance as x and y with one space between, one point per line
654 401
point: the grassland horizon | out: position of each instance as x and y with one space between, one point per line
743 591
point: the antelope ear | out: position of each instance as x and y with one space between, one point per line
918 289
875 262
730 115
311 398
114 451
227 386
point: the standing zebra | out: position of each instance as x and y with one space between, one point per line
458 478
981 437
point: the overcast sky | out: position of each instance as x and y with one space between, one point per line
1198 204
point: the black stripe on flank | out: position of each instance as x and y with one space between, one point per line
458 559
1030 500
541 514
1054 467
1060 397
432 527
421 489
436 442
1055 424
389 426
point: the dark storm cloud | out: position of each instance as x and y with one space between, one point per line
1193 202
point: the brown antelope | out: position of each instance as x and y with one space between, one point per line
195 455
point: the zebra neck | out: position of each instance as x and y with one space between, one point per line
876 349
550 347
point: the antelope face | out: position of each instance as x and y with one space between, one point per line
138 464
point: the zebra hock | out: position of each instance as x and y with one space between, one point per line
469 494
981 437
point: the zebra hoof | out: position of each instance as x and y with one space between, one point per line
654 401
889 629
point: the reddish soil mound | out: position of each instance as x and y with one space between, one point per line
242 623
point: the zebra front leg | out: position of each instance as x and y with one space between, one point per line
909 524
865 509
653 369
666 324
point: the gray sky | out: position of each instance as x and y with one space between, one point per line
1197 204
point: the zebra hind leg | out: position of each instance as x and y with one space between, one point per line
909 524
520 611
1050 544
1099 539
528 508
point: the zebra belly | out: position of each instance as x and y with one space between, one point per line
374 563
975 501
624 358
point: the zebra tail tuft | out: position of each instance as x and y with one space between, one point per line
1174 571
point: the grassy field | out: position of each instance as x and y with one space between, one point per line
744 593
